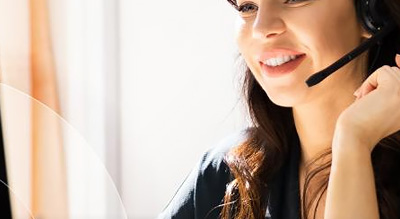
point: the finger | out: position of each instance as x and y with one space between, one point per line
357 92
382 76
367 89
396 73
398 60
369 84
385 75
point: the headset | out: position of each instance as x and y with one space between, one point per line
374 17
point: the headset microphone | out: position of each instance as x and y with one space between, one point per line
318 77
374 17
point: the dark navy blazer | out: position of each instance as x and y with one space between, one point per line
203 190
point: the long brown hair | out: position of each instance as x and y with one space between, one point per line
258 159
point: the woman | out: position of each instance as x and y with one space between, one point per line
327 151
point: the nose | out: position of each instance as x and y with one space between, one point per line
268 22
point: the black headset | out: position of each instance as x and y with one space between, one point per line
375 18
373 14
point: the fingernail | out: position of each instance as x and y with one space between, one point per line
357 92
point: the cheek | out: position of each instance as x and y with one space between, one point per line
328 39
242 35
246 45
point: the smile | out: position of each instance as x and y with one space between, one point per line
276 67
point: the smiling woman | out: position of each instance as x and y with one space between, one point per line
327 151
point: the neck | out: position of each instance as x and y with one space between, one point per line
315 122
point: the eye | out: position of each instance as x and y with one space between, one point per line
247 8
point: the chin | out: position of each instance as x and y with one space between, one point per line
282 103
288 95
284 100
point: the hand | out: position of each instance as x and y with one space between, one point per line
376 112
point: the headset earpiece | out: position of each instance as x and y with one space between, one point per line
373 14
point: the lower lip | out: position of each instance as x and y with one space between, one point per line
283 69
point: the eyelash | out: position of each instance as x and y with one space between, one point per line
242 7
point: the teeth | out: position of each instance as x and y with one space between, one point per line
279 60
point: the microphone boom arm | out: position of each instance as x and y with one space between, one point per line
318 77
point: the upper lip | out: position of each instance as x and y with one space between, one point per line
274 53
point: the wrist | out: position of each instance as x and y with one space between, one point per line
348 140
350 149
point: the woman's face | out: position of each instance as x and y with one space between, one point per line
321 30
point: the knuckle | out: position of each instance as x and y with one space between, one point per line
385 67
382 70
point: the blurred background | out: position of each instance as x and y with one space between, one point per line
107 105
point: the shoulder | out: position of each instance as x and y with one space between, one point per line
204 188
213 159
212 173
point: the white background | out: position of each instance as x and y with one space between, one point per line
179 93
149 84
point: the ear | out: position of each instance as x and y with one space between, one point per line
364 33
